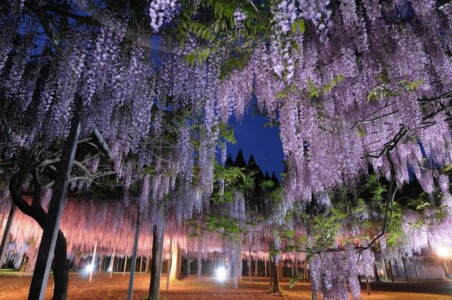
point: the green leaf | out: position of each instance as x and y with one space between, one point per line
301 25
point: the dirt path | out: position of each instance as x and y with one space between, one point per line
14 286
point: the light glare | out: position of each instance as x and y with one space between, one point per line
443 252
221 274
89 268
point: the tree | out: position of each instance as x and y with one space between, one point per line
349 83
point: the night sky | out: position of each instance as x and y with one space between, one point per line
263 142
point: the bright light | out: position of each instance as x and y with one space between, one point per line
443 252
221 274
89 268
109 269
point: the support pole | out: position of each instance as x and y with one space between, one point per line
93 260
255 266
392 272
385 272
404 268
141 263
415 270
101 263
367 285
134 255
9 222
55 211
125 266
170 258
265 266
156 268
296 267
112 263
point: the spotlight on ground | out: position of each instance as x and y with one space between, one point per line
221 274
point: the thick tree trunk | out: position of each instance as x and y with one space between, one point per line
52 223
134 255
156 268
9 222
35 210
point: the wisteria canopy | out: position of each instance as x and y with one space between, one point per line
358 88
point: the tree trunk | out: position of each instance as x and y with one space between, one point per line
274 276
9 222
35 210
156 267
51 232
134 255
404 268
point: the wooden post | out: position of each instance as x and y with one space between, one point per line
156 268
385 272
134 255
249 265
168 269
415 270
296 267
52 224
367 285
100 263
176 263
148 264
125 266
280 270
93 260
274 276
9 222
141 263
112 262
392 272
293 270
255 266
265 266
406 273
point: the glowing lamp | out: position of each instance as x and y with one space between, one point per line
443 252
221 274
89 268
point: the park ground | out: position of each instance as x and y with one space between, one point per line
14 286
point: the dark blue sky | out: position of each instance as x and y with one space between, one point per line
263 142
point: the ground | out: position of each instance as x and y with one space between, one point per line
14 286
